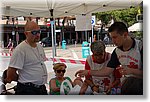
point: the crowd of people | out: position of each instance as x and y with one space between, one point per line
118 73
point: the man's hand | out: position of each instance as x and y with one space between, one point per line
91 84
11 75
81 73
124 70
95 88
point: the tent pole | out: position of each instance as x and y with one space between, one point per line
52 32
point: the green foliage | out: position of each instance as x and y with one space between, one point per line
138 35
126 15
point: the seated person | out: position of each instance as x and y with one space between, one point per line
2 87
2 83
55 83
94 89
97 61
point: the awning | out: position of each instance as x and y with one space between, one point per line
136 27
61 8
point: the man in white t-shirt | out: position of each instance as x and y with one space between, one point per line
27 64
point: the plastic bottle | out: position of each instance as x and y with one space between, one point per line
113 91
118 91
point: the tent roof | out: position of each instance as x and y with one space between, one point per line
40 8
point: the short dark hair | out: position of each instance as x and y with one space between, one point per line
120 27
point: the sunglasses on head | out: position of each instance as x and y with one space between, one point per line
59 71
35 32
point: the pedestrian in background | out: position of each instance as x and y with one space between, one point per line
10 43
95 38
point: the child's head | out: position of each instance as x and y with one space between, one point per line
59 68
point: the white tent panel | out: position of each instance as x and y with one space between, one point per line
136 27
61 8
40 8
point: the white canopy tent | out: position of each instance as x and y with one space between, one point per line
61 8
136 27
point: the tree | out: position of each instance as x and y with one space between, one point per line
126 15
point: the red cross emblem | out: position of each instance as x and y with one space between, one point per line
106 82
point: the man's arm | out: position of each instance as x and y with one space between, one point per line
137 72
114 61
83 88
126 71
101 73
11 75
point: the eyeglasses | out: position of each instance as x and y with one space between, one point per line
35 32
59 71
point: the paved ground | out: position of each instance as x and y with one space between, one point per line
71 51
